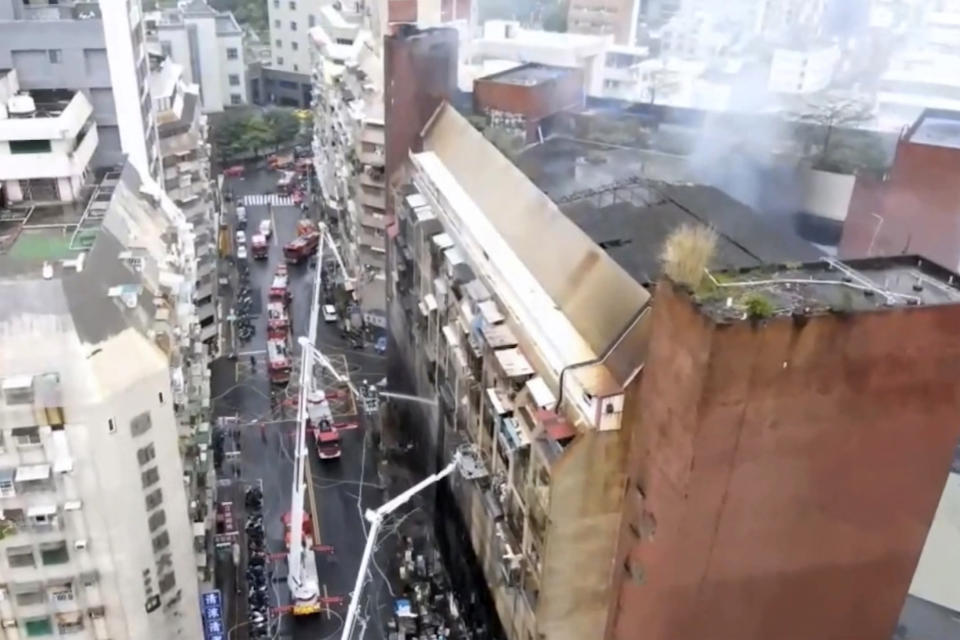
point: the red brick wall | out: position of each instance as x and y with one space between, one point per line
919 204
401 10
535 102
420 71
789 473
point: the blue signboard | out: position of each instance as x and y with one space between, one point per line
211 609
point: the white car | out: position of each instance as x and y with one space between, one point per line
265 229
329 313
241 252
241 238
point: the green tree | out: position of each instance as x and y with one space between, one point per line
284 125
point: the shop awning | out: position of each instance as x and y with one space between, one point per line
513 363
541 394
42 510
430 301
490 312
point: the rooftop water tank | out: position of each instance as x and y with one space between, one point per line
21 105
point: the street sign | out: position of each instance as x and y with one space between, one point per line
211 610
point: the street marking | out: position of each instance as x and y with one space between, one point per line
263 199
252 353
314 507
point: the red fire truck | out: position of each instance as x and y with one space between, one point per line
278 287
320 419
278 358
303 247
277 317
259 247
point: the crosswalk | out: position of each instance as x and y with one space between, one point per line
263 199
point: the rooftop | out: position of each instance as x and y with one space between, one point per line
937 128
33 233
827 286
633 231
529 75
611 194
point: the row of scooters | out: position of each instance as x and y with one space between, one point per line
244 304
258 579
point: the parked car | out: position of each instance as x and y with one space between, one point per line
265 228
241 252
329 313
234 171
241 238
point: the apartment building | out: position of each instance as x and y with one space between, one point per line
348 146
802 69
93 47
47 142
186 174
602 17
771 443
98 533
208 45
482 318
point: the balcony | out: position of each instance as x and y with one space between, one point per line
373 198
53 164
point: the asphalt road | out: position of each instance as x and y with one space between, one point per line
242 389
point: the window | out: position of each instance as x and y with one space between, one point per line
26 436
150 477
235 98
21 557
231 53
156 520
234 80
296 67
28 594
140 424
61 592
295 45
167 582
293 6
280 60
293 26
154 499
54 553
312 20
111 426
276 24
161 542
160 396
279 43
146 454
38 627
55 55
29 146
276 4
7 488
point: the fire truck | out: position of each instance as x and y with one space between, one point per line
259 247
278 357
320 419
278 286
277 317
305 245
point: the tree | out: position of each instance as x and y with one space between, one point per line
284 125
830 110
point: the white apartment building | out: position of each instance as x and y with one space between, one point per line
348 147
94 47
186 174
47 140
504 40
98 534
290 24
803 69
208 45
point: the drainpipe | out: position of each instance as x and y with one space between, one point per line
586 363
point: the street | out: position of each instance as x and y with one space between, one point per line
341 488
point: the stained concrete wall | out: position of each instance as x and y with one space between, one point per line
784 475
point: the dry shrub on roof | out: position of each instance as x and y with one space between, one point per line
687 253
